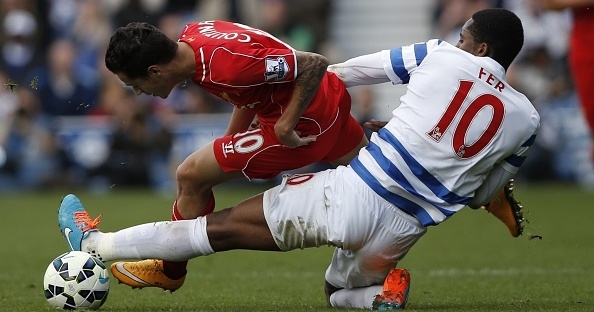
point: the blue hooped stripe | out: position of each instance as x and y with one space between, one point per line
515 160
392 171
397 200
529 142
421 173
397 59
398 65
420 52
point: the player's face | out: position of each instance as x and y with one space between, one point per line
151 85
466 41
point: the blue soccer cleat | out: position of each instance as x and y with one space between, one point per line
74 221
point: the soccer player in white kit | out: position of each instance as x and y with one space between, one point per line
457 137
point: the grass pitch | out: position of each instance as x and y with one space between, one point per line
469 263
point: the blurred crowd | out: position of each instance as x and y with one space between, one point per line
52 66
52 69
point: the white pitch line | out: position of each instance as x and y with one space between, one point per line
506 272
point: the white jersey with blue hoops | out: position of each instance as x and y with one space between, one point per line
458 120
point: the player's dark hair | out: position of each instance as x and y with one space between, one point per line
135 47
502 30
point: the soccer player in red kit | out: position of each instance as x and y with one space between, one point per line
302 113
581 58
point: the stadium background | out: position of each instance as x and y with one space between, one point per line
66 122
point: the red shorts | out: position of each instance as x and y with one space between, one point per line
260 155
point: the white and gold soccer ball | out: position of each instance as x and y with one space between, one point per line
76 280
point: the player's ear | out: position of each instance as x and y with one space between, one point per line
154 70
482 49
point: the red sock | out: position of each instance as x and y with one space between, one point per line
176 270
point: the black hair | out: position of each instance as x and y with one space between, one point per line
135 47
502 30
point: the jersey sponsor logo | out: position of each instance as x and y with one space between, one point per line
276 68
225 96
251 105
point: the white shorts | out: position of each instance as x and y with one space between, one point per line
336 208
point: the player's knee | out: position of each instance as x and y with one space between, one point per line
187 171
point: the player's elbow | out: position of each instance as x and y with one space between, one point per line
312 62
322 62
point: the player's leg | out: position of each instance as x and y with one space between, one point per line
241 227
370 241
255 154
373 282
81 234
375 240
392 295
196 177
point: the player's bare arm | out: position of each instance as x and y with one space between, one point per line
241 119
311 68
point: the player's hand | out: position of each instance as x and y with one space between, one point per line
375 125
292 138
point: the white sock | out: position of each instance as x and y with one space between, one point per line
94 238
199 238
167 240
355 298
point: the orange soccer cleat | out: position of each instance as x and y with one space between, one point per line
395 292
508 210
145 273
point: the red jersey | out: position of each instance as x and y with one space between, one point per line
248 68
251 69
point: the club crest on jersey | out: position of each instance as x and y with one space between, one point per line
276 68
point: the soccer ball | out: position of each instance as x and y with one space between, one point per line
75 280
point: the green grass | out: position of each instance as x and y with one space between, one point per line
469 263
